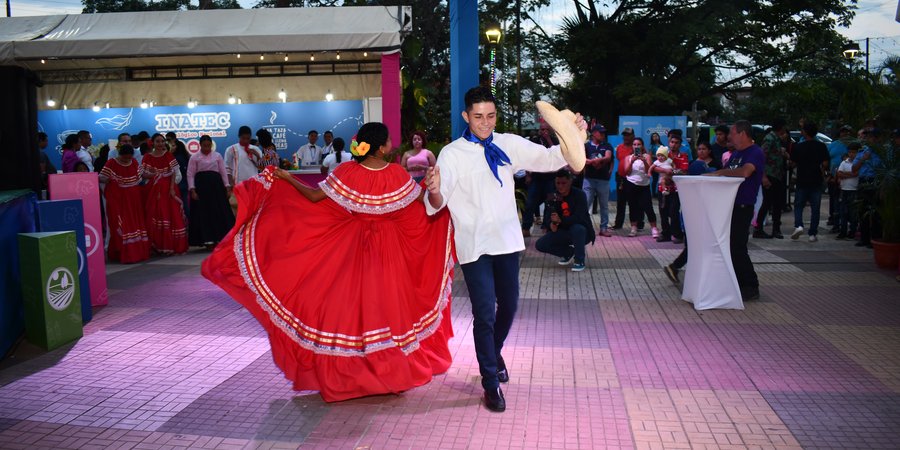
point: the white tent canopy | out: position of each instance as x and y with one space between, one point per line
196 33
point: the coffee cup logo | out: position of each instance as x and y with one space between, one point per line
60 288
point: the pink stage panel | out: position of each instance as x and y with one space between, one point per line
84 186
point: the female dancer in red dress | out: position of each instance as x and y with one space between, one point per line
165 213
128 241
382 323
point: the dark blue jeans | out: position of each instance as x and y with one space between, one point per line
813 195
847 219
493 283
561 242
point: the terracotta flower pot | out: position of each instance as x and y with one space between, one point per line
887 254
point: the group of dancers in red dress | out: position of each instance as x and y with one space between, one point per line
145 217
144 208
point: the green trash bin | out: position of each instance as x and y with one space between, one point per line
49 268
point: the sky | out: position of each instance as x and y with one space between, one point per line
874 19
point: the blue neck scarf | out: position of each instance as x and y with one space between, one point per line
494 155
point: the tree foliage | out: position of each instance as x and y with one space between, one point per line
107 6
659 56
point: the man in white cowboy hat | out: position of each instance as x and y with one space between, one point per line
473 178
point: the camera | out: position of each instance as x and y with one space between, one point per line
553 204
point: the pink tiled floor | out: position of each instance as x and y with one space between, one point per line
606 358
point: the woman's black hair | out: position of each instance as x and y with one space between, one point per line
205 137
373 133
71 141
153 138
180 148
264 137
126 150
338 146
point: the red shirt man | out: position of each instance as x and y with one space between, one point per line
624 149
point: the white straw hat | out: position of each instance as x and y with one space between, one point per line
571 138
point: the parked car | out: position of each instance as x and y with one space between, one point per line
795 135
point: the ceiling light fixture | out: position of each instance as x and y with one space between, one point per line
231 99
96 107
144 104
283 96
191 103
51 103
329 96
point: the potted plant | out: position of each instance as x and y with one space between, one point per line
887 207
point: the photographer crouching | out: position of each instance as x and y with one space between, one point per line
567 223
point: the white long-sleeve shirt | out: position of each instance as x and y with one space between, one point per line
85 156
239 165
485 218
212 162
308 155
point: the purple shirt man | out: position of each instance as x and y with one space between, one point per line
747 162
749 189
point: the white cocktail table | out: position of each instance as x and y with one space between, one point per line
707 204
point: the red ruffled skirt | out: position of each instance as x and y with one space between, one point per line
354 304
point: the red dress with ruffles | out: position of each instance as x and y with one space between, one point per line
128 242
166 223
354 291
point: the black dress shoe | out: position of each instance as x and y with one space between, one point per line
750 295
502 373
663 239
760 234
494 400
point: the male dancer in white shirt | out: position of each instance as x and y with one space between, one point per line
473 178
242 161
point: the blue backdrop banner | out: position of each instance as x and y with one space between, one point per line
289 123
645 126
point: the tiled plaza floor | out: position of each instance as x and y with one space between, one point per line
606 358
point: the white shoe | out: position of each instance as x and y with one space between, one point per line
654 232
633 232
797 232
813 238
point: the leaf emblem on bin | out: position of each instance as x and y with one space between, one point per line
60 288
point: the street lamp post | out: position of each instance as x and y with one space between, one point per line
493 35
851 51
519 66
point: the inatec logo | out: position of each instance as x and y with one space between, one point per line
193 121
